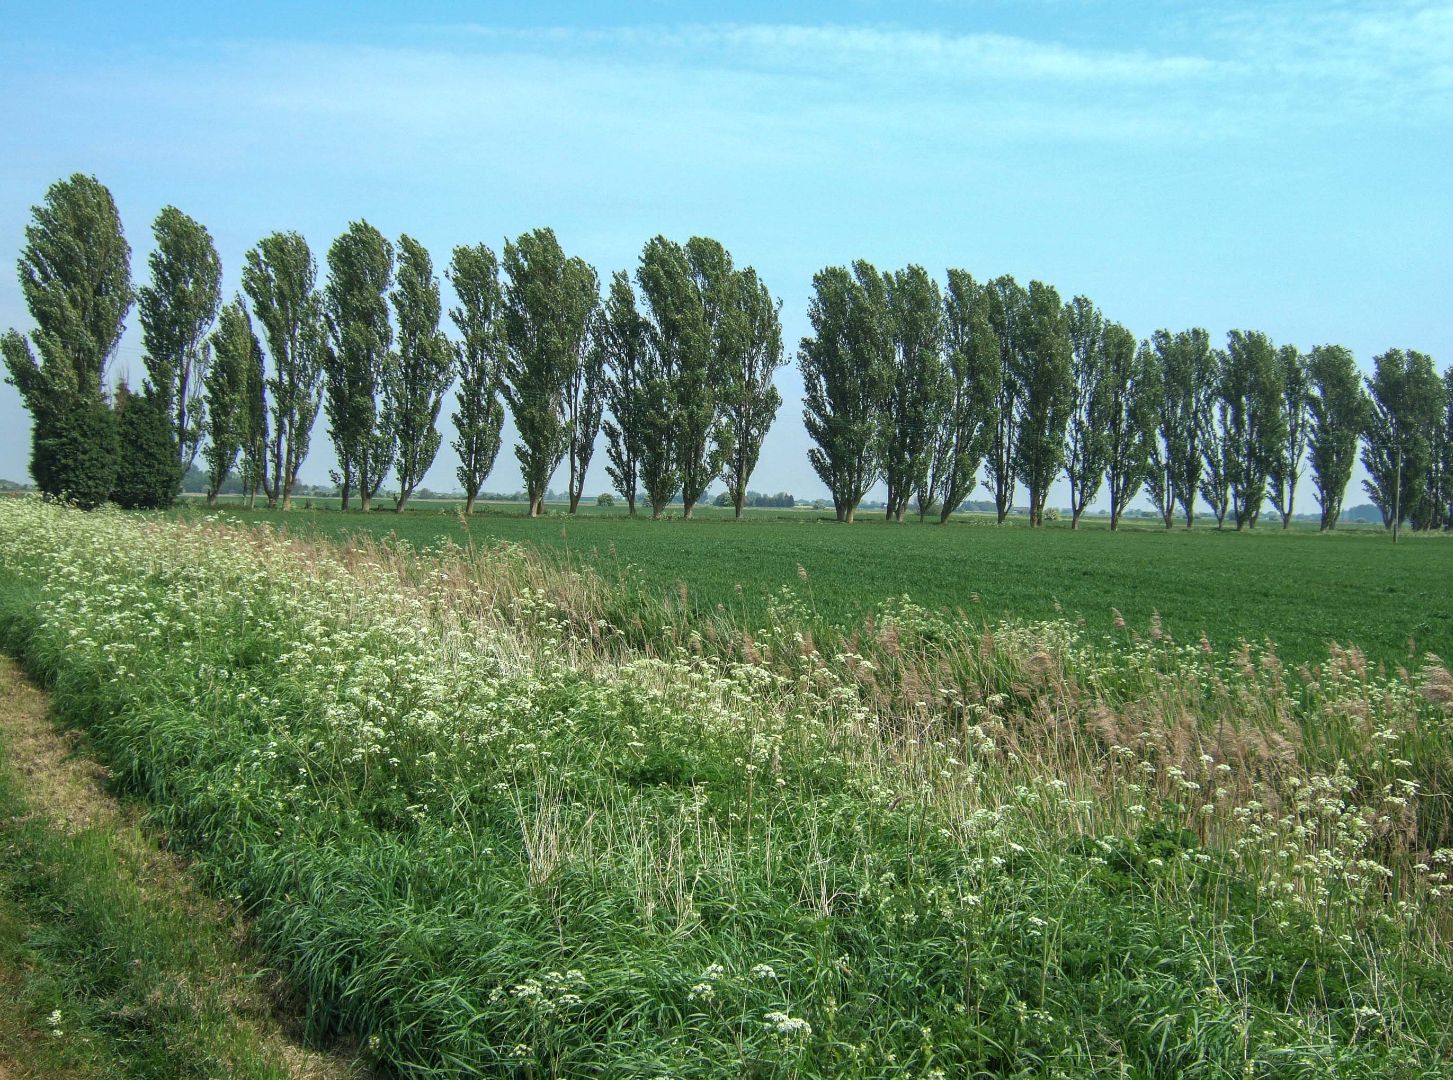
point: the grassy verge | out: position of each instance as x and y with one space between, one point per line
483 829
111 965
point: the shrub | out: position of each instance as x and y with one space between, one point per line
74 451
148 476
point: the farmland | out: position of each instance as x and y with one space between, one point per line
1299 588
482 829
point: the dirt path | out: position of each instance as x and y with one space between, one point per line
66 790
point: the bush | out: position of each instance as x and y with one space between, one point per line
605 498
74 451
148 475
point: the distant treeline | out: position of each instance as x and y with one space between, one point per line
920 386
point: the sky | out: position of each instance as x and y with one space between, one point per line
1277 166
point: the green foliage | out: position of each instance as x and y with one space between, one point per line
1406 410
75 451
548 301
918 390
1337 413
1255 435
1007 307
620 338
146 470
1044 377
847 369
1286 470
1087 433
235 373
359 363
479 419
177 310
75 275
968 422
1125 409
414 389
1187 375
605 499
749 400
279 278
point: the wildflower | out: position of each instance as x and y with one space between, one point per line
789 1026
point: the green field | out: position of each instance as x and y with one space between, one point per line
1300 588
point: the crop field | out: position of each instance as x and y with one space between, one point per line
484 829
1298 588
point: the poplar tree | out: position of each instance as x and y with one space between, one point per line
479 416
1189 375
1218 453
1044 378
682 405
1007 304
75 276
1442 485
584 407
415 385
236 356
846 365
548 301
1406 398
1336 415
703 440
620 338
1085 450
1286 468
359 360
1125 409
279 278
177 310
749 400
969 419
918 387
1256 433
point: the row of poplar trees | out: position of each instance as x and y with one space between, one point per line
921 387
683 360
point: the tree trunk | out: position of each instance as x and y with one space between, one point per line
403 498
631 504
211 500
469 503
365 501
687 508
740 501
1075 517
574 499
852 512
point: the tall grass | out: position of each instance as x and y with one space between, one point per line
500 818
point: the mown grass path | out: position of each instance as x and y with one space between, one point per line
111 962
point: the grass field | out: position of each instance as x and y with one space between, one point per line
484 833
1299 588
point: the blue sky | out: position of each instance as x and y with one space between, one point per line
1278 166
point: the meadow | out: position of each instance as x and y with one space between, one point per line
1299 588
486 830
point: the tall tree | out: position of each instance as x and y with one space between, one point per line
1441 483
75 276
969 421
703 439
279 276
1086 448
1044 402
681 397
1406 409
620 338
1189 377
1008 302
1251 387
177 310
748 398
1126 411
146 471
548 301
1286 469
1337 413
1218 449
584 407
479 418
846 365
918 389
236 356
414 388
359 361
